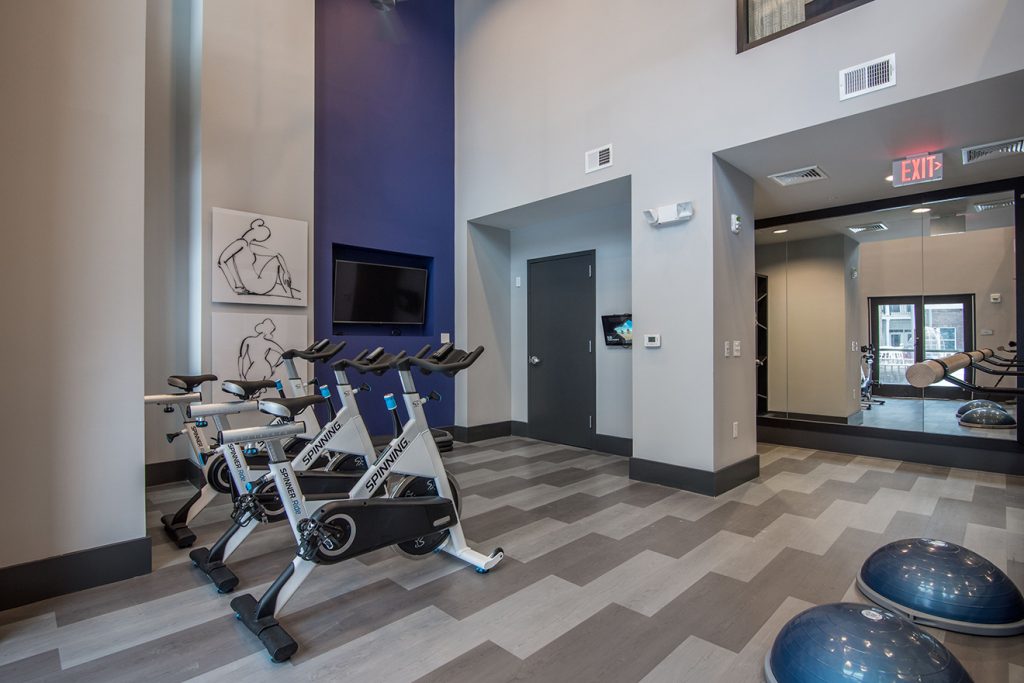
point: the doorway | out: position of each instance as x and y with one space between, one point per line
561 367
910 329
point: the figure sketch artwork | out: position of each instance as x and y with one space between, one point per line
259 259
249 346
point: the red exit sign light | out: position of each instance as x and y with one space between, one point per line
922 168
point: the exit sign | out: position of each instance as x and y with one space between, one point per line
922 168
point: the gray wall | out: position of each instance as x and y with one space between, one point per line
978 262
813 323
607 231
489 263
735 316
634 74
168 267
71 187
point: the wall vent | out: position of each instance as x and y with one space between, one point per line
993 150
599 158
867 77
799 176
870 227
981 207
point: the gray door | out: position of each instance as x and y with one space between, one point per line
561 320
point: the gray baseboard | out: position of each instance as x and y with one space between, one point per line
481 432
690 479
166 472
53 576
616 445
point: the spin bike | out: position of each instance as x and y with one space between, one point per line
216 476
333 527
344 436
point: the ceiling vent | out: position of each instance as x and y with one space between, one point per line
867 77
993 150
799 176
870 227
599 158
981 207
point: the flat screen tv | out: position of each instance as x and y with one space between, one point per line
618 329
377 294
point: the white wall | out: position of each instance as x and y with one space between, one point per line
257 124
607 231
540 83
71 187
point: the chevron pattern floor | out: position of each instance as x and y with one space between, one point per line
604 579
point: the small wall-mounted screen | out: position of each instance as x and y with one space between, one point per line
618 329
378 294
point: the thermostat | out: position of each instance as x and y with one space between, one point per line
652 341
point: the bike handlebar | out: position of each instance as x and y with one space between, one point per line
326 353
453 362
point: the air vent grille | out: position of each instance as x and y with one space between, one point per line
799 176
870 227
597 159
867 77
981 207
993 150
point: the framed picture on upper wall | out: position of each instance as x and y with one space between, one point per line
259 259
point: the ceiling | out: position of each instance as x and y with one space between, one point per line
857 152
606 195
953 215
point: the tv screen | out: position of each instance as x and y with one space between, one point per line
618 329
379 294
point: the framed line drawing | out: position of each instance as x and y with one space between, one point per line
259 259
249 346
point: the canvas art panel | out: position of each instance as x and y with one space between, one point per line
259 259
249 346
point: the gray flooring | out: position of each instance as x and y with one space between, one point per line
605 579
934 416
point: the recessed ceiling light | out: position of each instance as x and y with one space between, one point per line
888 178
779 232
923 209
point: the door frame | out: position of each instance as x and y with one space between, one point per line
920 303
592 253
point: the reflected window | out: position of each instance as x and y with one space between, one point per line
761 20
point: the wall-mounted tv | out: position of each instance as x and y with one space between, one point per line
373 293
618 329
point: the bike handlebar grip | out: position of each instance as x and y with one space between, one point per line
173 399
318 346
422 353
267 433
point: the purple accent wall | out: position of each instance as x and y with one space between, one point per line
385 170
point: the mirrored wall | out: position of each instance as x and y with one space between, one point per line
847 304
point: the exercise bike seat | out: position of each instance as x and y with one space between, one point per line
247 390
189 382
288 407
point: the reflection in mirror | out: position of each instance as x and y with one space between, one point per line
846 306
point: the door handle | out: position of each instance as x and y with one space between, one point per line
534 360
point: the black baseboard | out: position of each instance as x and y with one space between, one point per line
616 445
942 450
698 481
166 472
521 429
53 576
481 432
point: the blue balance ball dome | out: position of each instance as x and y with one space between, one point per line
978 403
847 642
942 584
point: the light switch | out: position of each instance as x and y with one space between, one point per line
445 337
519 281
736 348
728 349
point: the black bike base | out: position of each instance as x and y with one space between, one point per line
178 532
279 644
219 573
